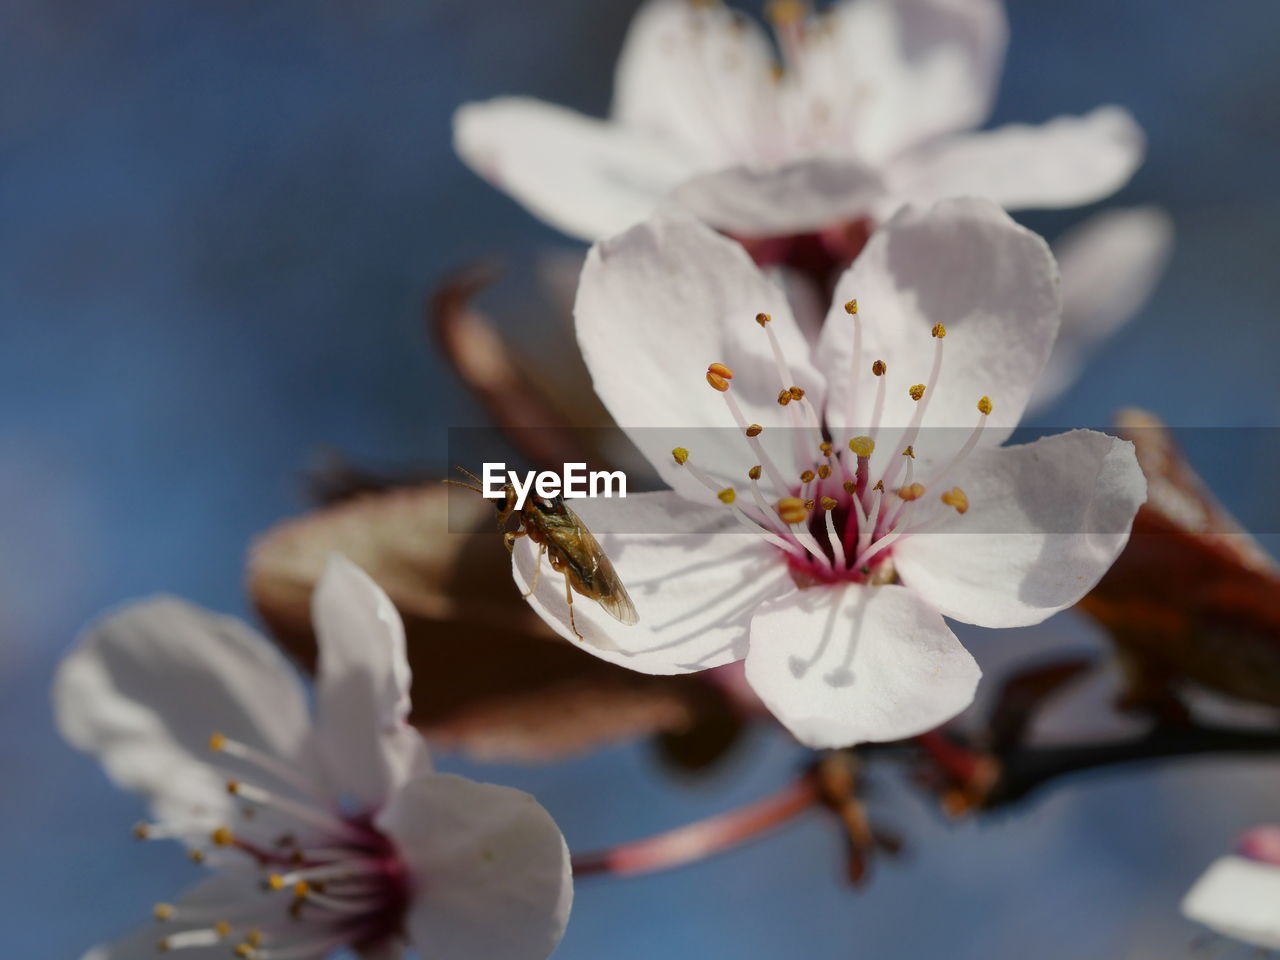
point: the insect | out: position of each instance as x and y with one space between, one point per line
565 540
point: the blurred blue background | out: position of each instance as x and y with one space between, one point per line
218 224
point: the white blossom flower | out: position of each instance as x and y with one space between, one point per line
1110 263
820 552
324 833
1239 895
876 103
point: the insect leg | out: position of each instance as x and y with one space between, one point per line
511 537
568 595
537 572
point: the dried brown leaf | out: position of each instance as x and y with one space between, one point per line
1192 597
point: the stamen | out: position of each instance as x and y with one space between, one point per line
984 410
955 497
331 871
718 376
756 525
320 819
218 743
878 370
680 454
204 937
837 548
757 448
754 430
912 491
791 510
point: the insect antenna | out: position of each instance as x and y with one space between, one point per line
469 475
464 486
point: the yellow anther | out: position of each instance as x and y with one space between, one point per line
253 937
939 331
829 503
851 307
301 889
720 370
879 368
824 471
222 837
755 430
274 881
196 855
763 319
791 510
810 504
163 945
825 447
917 391
862 446
984 406
217 742
912 491
784 397
222 929
849 486
716 379
680 454
955 497
796 393
142 831
244 950
755 472
727 495
909 452
233 787
806 477
879 486
162 911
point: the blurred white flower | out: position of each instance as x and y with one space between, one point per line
1239 895
324 834
827 553
1110 265
875 104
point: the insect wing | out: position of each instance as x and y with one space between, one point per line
590 571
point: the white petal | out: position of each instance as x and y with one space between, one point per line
694 77
1063 163
694 590
1045 522
362 686
586 177
853 664
918 68
655 306
491 870
796 198
1238 898
145 688
963 263
1110 264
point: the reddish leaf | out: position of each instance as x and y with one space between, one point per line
1192 597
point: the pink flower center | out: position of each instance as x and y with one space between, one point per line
837 513
315 879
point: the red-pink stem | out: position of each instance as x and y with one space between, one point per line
696 841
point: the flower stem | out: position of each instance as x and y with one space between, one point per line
703 838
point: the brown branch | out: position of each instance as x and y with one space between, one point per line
696 841
1024 770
